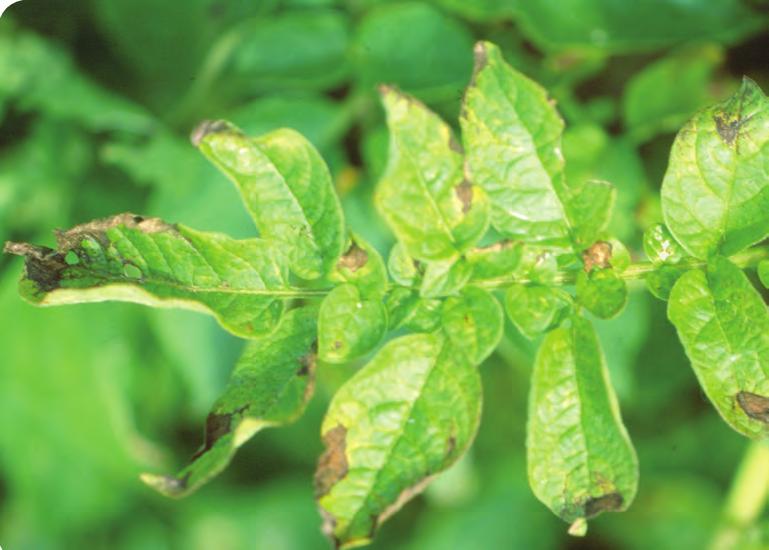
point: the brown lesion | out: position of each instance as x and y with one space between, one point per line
464 192
611 502
208 127
353 259
754 405
332 464
597 256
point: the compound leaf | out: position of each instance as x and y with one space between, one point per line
423 195
723 324
715 195
270 386
287 190
406 416
243 283
349 326
580 459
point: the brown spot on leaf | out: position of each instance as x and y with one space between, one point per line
754 405
728 130
97 229
308 361
332 464
217 426
606 503
354 259
481 58
597 256
43 266
205 128
464 192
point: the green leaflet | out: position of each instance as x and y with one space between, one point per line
580 459
423 195
715 195
474 323
445 278
403 268
534 309
723 324
362 266
287 190
406 416
512 135
602 291
270 386
349 326
660 246
147 261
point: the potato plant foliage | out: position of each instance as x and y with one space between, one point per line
487 225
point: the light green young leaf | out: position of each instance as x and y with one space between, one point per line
362 266
287 190
580 459
534 309
406 416
602 292
715 195
270 386
423 195
349 326
474 323
660 246
445 278
512 135
403 268
723 324
148 261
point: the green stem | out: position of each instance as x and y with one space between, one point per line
747 497
746 259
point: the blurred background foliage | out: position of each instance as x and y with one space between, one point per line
97 98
